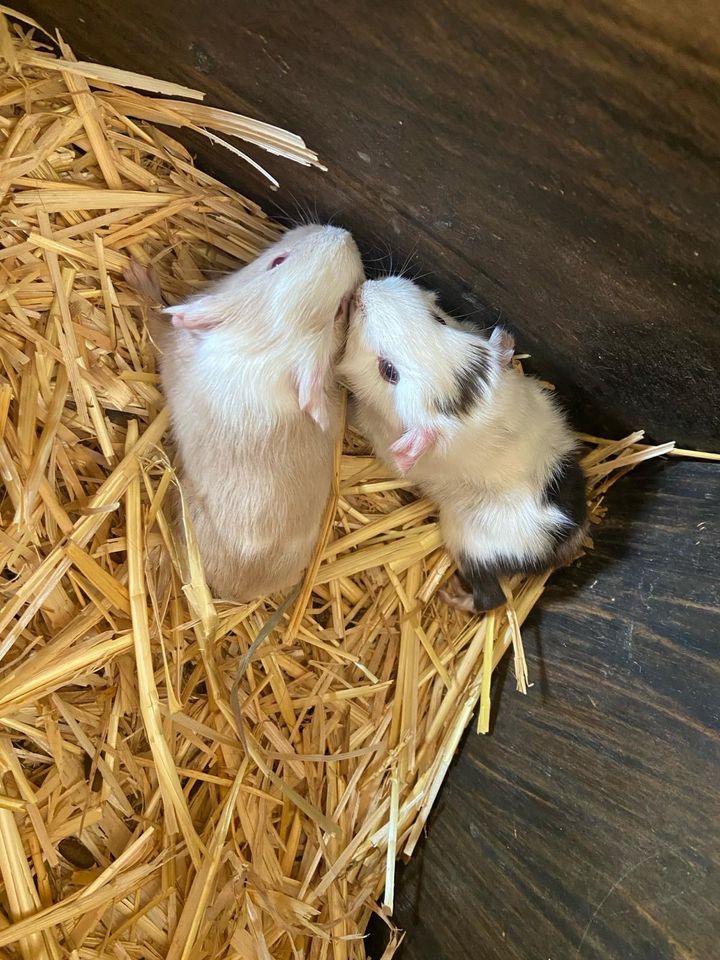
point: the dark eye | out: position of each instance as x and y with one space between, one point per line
387 371
277 261
436 316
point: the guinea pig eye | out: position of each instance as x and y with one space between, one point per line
387 371
277 261
439 319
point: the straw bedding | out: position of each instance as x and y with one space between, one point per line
145 811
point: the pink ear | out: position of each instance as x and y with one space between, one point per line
504 343
193 315
143 280
312 397
411 446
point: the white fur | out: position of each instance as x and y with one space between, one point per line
255 409
487 470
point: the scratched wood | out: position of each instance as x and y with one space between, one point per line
587 827
551 164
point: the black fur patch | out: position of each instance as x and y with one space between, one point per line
567 492
483 582
470 383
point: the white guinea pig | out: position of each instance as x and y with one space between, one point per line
444 405
248 370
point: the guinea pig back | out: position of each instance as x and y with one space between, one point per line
443 404
248 369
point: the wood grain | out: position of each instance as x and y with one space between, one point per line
552 165
587 827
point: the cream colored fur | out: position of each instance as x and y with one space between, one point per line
255 411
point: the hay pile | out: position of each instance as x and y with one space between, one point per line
136 819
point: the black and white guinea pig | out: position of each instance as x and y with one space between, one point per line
444 405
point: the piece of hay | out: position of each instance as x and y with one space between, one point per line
140 815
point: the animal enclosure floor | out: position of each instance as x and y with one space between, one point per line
587 827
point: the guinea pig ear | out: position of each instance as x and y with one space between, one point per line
312 397
143 280
193 315
411 446
504 342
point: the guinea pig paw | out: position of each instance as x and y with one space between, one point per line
455 595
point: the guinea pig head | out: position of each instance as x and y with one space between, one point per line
289 304
415 368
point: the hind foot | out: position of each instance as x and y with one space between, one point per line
455 594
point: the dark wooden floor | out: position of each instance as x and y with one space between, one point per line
587 827
554 164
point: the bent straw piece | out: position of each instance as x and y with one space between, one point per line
123 78
675 451
204 118
24 18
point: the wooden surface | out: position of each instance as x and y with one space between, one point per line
587 827
554 165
